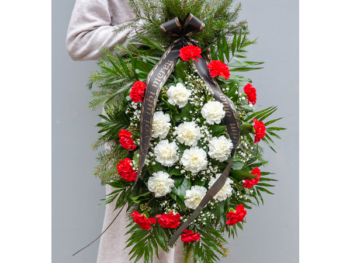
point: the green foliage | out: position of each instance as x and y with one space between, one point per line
146 242
210 247
180 191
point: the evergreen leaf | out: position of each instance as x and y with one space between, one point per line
272 121
226 48
124 66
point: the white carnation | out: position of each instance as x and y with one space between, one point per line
188 133
194 159
225 191
194 196
213 112
161 125
166 153
160 183
178 95
220 148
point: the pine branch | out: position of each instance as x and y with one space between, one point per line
105 163
223 249
198 5
187 256
176 8
134 8
125 25
209 9
240 24
152 9
162 8
223 7
109 174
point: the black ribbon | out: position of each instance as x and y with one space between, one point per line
155 81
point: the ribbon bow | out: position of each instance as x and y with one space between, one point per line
175 27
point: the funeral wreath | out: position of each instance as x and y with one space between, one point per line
183 131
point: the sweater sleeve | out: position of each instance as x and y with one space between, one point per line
90 29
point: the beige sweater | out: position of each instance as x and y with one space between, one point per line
92 24
91 27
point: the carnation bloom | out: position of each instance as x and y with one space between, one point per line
190 52
124 133
194 159
161 125
126 141
236 216
137 92
194 196
188 133
260 129
225 191
217 68
160 184
169 220
126 171
178 95
143 221
220 148
166 153
251 93
190 236
249 183
213 112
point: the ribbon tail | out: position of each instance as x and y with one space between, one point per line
231 118
209 195
155 81
102 232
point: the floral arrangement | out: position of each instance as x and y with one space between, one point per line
189 146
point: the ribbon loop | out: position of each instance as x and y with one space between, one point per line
172 27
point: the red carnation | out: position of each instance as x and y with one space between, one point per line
190 52
217 68
251 93
143 221
249 183
189 236
260 129
126 141
137 92
126 171
124 133
236 216
169 220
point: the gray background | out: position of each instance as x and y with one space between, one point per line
271 234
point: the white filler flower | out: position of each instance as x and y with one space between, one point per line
213 112
160 183
220 148
166 153
194 159
161 125
194 196
225 191
178 95
188 133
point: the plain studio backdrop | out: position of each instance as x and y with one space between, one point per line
271 234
